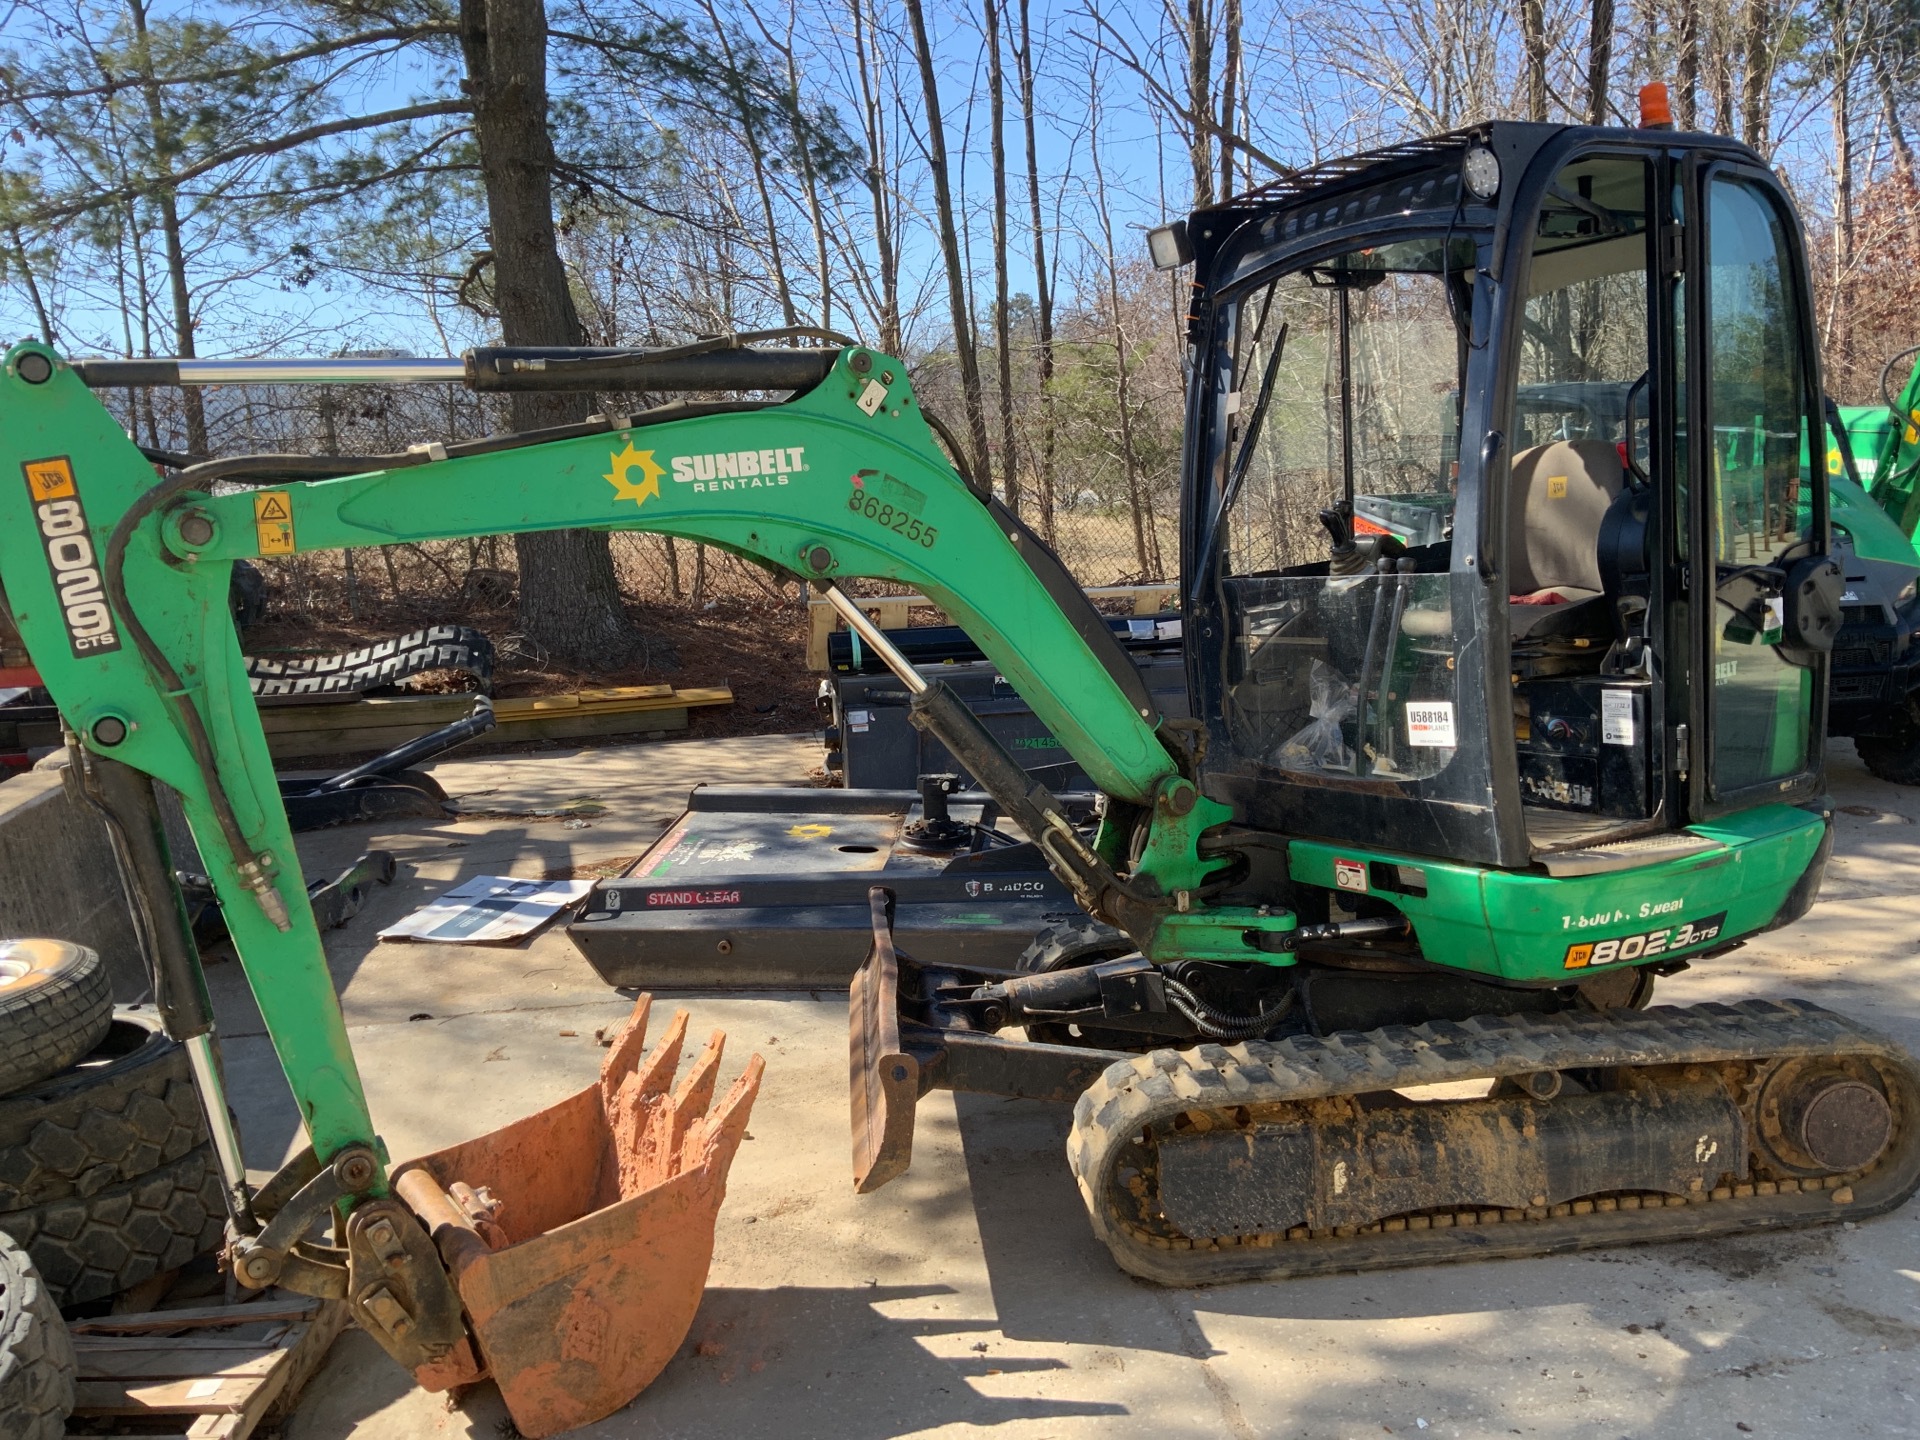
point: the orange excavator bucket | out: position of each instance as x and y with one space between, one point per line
579 1238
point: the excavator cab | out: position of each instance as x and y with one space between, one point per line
1508 611
1590 625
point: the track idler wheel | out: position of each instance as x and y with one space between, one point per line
1818 1116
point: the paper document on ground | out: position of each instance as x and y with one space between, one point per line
487 909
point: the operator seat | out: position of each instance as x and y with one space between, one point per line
1561 492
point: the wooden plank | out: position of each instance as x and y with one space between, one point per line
291 1307
173 1364
207 1396
220 1427
309 1352
375 725
271 1334
625 692
586 724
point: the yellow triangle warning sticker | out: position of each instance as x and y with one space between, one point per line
271 506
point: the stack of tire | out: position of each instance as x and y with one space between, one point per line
107 1173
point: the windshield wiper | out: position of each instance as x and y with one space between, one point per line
1243 461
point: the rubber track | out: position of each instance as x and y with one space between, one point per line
1151 1090
87 1248
442 647
37 1368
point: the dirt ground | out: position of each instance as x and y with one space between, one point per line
970 1295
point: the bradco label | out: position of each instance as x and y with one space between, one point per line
68 542
1430 723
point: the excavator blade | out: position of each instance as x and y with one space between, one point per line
579 1238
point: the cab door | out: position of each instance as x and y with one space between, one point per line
1757 505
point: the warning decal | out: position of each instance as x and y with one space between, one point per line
273 522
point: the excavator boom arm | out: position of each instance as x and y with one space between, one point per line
119 586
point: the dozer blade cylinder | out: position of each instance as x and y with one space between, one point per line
579 1238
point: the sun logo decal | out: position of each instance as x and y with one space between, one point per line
624 486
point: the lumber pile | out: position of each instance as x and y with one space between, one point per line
353 726
211 1372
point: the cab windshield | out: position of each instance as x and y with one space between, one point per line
1333 513
1346 393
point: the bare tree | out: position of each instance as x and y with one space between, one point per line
1042 278
957 278
570 604
1002 330
1599 60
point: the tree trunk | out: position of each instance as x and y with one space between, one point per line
1840 335
1229 97
1756 77
950 248
1687 64
1533 35
1878 58
756 153
1599 60
1002 340
1042 282
570 606
33 286
1200 99
1123 379
873 119
161 162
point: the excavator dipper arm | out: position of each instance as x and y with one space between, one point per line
118 577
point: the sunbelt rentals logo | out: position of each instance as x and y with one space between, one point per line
625 487
739 469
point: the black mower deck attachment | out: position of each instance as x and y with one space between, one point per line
767 888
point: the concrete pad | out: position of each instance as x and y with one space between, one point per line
970 1294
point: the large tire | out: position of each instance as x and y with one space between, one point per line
36 1355
56 1001
90 1247
1064 945
1895 760
126 1109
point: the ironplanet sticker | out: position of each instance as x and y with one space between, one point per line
1430 724
67 541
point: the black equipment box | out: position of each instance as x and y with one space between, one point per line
767 888
873 747
1584 746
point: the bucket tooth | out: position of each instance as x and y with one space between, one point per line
580 1275
628 1042
695 1093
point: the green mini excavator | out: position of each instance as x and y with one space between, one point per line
1506 600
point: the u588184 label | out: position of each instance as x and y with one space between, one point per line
1626 949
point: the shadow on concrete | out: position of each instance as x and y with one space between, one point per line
781 1362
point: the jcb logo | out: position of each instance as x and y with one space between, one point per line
68 543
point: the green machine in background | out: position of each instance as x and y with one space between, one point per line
1451 802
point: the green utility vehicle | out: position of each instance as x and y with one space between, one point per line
1447 811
